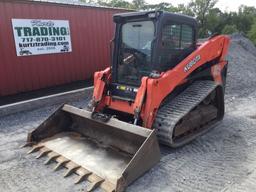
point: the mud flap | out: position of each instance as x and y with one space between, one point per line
110 155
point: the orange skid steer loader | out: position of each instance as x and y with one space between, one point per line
162 86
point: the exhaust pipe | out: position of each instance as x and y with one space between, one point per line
111 155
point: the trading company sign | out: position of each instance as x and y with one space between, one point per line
36 37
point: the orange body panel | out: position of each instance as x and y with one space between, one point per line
155 90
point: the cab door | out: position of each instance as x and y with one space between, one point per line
176 42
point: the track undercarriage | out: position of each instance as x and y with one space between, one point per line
189 114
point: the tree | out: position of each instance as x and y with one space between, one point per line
115 3
138 4
87 1
252 32
210 19
201 9
183 9
245 18
229 29
160 6
213 21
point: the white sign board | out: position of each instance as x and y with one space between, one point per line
37 36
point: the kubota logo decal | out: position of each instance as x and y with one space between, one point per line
192 63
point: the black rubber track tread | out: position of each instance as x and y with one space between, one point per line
173 111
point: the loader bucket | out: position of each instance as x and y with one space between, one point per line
110 155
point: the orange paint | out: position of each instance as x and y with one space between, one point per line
155 90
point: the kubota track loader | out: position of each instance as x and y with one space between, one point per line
162 86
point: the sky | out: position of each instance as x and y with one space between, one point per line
224 5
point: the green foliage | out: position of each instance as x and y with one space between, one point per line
210 19
138 4
229 29
160 6
243 19
213 20
201 9
87 1
115 3
252 32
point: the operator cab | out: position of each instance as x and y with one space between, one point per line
146 44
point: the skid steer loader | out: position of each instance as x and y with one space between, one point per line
162 86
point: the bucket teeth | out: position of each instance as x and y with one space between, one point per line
43 153
60 164
95 184
34 149
51 158
28 144
82 177
71 170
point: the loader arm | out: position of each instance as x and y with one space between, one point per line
158 89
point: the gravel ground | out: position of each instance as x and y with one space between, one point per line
242 67
222 160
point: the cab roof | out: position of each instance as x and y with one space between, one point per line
161 14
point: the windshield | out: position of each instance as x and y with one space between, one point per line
135 51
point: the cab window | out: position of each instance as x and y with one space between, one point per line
186 37
177 42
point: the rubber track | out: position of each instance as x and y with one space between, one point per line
170 114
